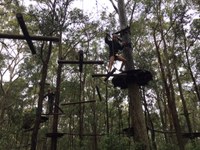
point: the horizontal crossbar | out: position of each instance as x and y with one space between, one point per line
78 62
84 134
35 38
83 102
53 114
105 75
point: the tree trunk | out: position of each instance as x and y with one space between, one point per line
169 93
174 62
57 98
40 100
81 110
162 114
171 96
149 122
185 110
107 112
94 123
190 70
56 110
136 112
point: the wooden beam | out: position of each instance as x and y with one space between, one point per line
98 92
57 135
25 32
73 103
78 62
191 135
109 74
86 134
33 37
105 75
99 75
53 114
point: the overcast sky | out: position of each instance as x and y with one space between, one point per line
91 5
94 6
86 5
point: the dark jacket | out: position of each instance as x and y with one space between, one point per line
114 46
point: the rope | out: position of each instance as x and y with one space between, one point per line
82 6
97 9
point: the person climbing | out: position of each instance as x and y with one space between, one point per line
115 44
51 96
51 102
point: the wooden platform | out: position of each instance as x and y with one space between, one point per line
57 135
44 119
191 135
141 77
128 131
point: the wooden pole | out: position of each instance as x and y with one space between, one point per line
33 37
81 102
81 61
25 32
78 62
113 75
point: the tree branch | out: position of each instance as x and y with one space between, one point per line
132 13
115 7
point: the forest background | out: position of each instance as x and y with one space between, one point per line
165 41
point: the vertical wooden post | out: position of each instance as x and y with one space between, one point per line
80 62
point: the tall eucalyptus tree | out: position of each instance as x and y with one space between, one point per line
135 102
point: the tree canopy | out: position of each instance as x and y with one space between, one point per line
164 40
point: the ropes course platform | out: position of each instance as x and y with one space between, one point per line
44 119
139 76
191 135
55 135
